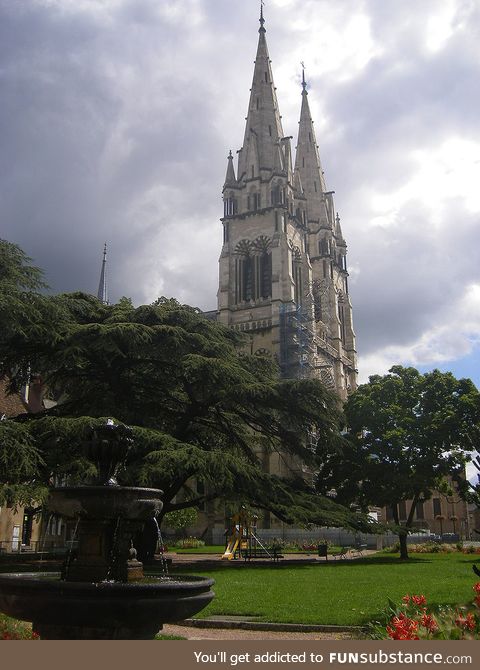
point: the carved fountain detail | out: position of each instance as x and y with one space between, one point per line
102 592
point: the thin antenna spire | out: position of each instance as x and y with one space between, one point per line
102 293
304 83
262 20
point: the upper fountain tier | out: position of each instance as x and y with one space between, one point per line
108 449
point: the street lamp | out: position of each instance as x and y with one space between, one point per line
440 518
454 520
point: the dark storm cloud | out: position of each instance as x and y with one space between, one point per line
407 99
117 116
99 110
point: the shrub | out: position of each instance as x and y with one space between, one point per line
181 519
412 620
471 549
189 543
12 629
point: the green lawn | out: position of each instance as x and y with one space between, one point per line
342 592
219 549
210 549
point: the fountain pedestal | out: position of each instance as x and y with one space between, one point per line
102 592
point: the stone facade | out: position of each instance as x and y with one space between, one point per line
19 527
283 272
443 515
283 278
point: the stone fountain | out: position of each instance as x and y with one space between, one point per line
102 592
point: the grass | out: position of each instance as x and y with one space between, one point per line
219 549
340 593
211 549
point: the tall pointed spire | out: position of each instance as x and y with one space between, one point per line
102 293
263 129
304 83
230 179
307 161
261 19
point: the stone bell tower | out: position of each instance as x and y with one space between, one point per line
283 273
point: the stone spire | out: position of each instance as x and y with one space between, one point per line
308 164
261 149
230 179
102 293
338 231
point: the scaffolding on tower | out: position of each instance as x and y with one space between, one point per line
297 340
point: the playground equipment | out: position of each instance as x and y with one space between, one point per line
242 539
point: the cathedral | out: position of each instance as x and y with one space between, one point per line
283 269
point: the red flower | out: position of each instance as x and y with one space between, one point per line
419 600
476 587
429 622
403 628
467 622
406 599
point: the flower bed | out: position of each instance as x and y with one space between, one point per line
12 629
412 620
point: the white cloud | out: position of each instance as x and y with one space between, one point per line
118 115
440 174
454 336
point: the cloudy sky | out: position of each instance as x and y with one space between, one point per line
116 118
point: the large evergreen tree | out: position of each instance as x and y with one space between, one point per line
198 406
408 432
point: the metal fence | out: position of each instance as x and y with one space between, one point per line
37 547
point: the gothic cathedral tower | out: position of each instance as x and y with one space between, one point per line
283 271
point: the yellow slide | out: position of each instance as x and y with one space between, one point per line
232 546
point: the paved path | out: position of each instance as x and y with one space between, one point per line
212 559
195 633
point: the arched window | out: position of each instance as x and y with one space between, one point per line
265 275
341 317
247 279
278 194
230 205
253 270
297 275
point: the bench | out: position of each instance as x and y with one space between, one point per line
342 554
273 555
358 550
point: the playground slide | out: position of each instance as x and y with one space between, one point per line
232 546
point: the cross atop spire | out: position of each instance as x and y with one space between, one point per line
304 83
102 293
261 19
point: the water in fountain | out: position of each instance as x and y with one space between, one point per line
69 556
43 539
161 547
83 605
113 550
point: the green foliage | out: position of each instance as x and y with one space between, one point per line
180 519
189 543
198 406
20 463
12 629
407 432
16 271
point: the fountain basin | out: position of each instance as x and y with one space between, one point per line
105 502
103 610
